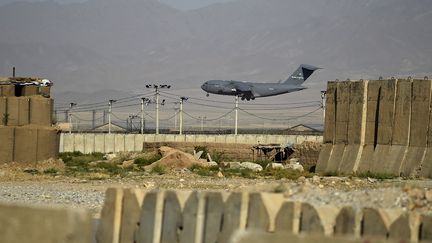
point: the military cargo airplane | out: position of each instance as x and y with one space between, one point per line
250 90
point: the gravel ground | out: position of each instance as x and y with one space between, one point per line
88 194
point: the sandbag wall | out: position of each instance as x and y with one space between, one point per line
26 132
380 126
131 215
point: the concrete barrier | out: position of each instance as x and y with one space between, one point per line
388 128
260 237
183 216
20 224
106 143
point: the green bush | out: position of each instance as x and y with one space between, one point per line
158 169
147 161
218 156
286 174
51 171
202 148
204 171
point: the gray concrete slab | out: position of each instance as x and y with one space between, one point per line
402 112
342 112
386 111
356 102
330 115
420 112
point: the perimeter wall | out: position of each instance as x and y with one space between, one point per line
380 126
111 143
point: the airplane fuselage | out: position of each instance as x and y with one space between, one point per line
252 90
255 90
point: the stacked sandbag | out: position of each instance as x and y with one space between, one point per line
26 131
6 143
41 110
7 90
18 111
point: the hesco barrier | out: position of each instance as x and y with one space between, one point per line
18 110
131 215
41 111
28 143
7 90
108 143
380 126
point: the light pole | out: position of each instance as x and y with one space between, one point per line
202 122
156 87
109 114
144 101
71 105
236 115
323 100
131 118
182 99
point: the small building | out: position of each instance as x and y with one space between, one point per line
302 129
114 128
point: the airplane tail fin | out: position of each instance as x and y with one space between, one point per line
301 74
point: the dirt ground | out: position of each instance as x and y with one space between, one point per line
80 181
339 191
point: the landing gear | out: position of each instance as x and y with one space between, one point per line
207 94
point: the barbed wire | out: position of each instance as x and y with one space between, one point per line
280 119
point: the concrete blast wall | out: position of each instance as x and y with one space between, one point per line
108 143
131 215
381 126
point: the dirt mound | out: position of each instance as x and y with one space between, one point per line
175 159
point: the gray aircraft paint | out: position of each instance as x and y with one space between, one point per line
251 90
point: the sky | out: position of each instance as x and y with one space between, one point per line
179 4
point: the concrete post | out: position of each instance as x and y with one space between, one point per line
236 115
93 119
142 116
157 110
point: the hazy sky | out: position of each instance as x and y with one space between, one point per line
180 4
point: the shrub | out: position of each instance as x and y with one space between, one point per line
159 169
204 171
218 156
51 171
202 148
147 161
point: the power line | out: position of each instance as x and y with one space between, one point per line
280 119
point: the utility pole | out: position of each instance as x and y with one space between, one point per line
176 111
144 101
66 117
93 119
323 102
131 118
236 115
109 114
182 99
71 105
104 117
202 122
156 87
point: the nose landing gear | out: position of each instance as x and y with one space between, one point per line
207 94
